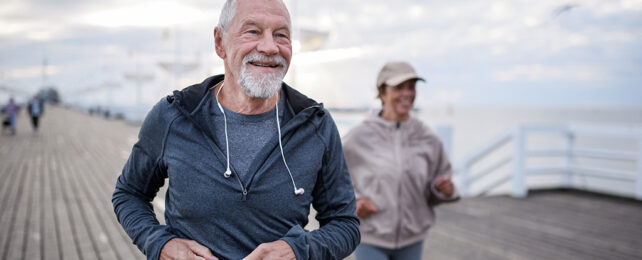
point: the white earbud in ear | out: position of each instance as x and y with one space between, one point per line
299 191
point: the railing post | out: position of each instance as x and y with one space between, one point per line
519 185
570 158
463 180
638 180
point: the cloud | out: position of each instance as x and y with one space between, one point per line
32 71
541 72
146 14
605 8
466 48
25 29
332 55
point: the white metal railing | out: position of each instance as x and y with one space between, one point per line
570 153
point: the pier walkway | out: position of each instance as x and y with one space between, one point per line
55 203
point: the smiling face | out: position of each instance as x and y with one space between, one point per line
398 100
256 47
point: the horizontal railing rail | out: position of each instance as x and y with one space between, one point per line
480 182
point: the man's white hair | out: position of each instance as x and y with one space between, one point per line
227 15
229 11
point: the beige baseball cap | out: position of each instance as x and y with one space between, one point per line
395 73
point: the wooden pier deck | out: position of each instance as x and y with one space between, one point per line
55 203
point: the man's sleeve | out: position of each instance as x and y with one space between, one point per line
137 186
335 204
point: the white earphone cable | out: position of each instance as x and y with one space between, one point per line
228 172
298 191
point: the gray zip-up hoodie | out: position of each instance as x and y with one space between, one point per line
228 216
395 166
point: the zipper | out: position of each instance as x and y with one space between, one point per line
242 187
397 145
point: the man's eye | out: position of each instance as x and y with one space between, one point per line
253 32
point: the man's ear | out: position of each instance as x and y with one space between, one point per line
218 43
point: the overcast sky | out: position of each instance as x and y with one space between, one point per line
500 53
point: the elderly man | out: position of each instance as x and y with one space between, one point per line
245 156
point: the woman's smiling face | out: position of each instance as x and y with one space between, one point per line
398 100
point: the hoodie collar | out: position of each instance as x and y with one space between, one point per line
374 118
190 97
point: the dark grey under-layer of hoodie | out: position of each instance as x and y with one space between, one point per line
228 216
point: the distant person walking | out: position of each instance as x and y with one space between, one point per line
399 170
10 110
36 109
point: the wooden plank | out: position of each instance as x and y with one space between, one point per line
81 238
66 236
109 231
8 175
438 245
110 164
79 227
51 244
11 178
17 236
108 160
494 221
592 223
11 214
505 241
33 235
88 216
537 231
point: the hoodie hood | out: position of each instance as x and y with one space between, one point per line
190 97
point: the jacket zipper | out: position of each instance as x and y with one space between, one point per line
242 187
399 166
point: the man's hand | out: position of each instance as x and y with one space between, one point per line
365 208
183 249
274 250
445 186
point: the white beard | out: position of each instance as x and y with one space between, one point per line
259 85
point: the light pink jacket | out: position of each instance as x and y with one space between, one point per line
395 166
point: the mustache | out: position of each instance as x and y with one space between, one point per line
258 57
